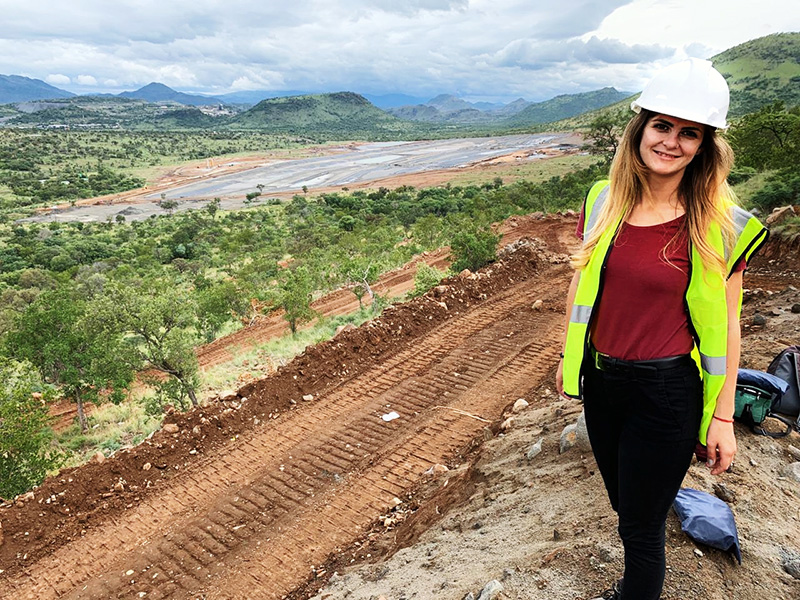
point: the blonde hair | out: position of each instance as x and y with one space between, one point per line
704 191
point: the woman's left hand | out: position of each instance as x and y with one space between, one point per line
721 444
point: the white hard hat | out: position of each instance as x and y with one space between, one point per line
692 89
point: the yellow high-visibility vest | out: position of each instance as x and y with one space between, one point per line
705 300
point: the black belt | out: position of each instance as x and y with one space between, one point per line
607 363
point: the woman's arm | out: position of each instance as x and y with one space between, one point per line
573 286
721 440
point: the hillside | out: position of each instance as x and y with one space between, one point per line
185 118
758 72
158 92
93 111
15 88
565 106
761 71
337 114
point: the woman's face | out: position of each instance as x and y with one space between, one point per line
669 144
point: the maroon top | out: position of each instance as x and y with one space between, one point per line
641 313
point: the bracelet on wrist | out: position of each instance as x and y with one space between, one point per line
723 420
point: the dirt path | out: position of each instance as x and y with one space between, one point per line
251 516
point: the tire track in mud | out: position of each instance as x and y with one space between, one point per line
252 522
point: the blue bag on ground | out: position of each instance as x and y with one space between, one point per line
707 519
760 379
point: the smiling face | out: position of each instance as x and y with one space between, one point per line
669 144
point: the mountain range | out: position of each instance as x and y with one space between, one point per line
758 72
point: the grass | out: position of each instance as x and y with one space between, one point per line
744 191
264 359
535 171
111 428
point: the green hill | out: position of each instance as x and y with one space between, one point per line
339 115
184 118
565 106
761 71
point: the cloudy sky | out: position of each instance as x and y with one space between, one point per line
478 49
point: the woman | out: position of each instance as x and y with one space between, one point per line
653 310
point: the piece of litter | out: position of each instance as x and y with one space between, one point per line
390 416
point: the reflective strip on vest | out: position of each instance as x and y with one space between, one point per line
597 206
740 219
714 365
580 314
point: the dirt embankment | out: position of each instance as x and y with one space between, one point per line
307 473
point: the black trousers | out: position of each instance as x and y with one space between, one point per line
643 426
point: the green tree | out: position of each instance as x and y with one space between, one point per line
217 304
427 231
61 336
26 454
213 207
768 138
360 272
294 296
604 133
473 248
160 319
168 205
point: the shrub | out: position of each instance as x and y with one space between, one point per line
425 278
740 175
473 249
26 454
781 189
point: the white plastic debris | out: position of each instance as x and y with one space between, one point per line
390 416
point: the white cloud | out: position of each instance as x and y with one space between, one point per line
86 80
57 79
479 48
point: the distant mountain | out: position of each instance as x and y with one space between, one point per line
252 97
513 108
158 92
761 71
565 106
449 103
418 112
452 110
108 111
15 88
339 115
385 101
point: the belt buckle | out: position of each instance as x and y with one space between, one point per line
604 362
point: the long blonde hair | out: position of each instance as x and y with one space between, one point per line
704 190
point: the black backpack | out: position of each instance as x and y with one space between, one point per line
787 366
